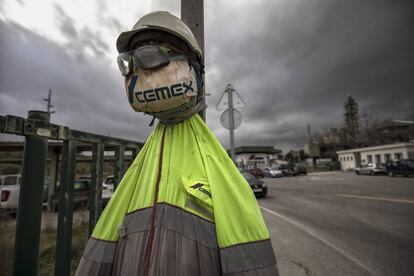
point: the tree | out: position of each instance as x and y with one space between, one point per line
303 155
289 156
351 119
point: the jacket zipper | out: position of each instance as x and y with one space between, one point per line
148 251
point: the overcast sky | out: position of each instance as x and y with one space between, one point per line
292 62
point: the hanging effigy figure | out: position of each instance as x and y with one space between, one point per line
182 208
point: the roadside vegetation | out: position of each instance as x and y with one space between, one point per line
47 242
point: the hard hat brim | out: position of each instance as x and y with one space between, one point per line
124 39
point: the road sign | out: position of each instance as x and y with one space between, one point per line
231 118
225 119
224 100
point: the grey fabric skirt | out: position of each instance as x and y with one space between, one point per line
170 241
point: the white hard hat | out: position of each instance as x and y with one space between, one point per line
159 21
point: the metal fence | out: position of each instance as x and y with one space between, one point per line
38 130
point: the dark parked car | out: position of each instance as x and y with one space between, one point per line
333 166
80 194
257 185
257 172
400 167
300 169
286 170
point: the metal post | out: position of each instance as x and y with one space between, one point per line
231 114
134 154
29 215
119 165
54 170
65 207
192 14
95 197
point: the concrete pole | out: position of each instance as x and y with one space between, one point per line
192 14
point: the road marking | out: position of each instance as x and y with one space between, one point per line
318 237
316 173
318 178
409 201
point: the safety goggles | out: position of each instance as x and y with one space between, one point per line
146 57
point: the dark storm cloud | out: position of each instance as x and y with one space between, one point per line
79 41
86 96
292 62
296 61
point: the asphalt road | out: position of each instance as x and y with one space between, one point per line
341 224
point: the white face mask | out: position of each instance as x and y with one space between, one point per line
162 89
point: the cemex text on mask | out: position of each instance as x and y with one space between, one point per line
165 92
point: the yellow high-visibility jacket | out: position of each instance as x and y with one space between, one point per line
182 208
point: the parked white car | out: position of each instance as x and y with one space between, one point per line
271 172
107 188
109 183
10 192
371 169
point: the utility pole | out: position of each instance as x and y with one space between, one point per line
192 14
49 105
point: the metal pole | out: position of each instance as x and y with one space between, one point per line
49 100
192 14
95 196
54 171
29 214
134 154
230 96
65 208
119 165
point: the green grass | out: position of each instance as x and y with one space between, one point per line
46 248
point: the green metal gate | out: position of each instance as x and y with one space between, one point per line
37 131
